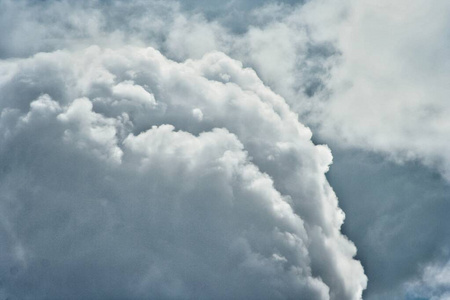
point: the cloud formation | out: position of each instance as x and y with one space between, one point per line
387 93
367 76
129 175
389 87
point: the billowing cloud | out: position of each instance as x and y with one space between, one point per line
278 40
367 76
127 175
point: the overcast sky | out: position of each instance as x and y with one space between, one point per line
241 150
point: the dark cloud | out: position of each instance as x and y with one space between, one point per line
397 215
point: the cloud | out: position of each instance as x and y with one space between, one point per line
129 175
364 75
434 284
274 39
387 93
389 86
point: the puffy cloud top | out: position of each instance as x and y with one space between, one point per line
128 175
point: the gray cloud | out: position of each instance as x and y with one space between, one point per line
396 215
434 283
387 93
113 186
347 68
389 87
277 40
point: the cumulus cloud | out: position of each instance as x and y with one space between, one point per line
278 39
363 74
129 175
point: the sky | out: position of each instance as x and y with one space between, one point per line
241 150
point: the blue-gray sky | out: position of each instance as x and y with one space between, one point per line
159 149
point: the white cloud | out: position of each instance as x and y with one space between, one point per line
111 187
90 131
387 92
434 283
389 89
197 114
